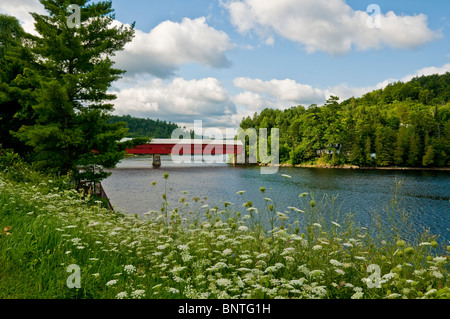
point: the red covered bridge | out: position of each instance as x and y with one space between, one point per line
159 147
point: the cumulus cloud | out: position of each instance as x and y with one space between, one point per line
180 101
287 92
170 44
259 94
344 91
428 71
21 10
331 26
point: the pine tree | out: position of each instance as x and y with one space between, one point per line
71 133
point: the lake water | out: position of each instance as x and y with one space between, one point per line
423 194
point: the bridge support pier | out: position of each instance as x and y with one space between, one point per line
156 160
235 159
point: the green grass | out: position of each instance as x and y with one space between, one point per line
190 249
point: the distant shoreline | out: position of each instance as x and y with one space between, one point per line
363 168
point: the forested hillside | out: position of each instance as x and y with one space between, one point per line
404 124
140 127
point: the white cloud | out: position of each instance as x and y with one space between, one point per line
259 94
252 101
21 10
331 26
180 100
344 91
428 71
170 44
276 92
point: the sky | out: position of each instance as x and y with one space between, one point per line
219 61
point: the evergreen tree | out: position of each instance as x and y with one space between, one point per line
71 133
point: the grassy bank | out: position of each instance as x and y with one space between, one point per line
190 249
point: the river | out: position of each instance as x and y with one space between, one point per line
423 194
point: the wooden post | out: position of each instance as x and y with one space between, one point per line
156 160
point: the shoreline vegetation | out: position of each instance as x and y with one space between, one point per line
348 166
192 249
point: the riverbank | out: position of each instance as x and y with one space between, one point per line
361 167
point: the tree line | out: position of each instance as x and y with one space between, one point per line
404 124
145 127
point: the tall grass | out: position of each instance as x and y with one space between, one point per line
192 249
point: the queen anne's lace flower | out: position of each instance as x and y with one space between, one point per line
130 269
122 295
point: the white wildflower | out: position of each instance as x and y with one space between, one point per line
223 282
419 272
122 295
130 269
358 295
336 224
111 282
430 292
440 261
340 271
174 290
138 294
437 274
335 263
227 252
162 247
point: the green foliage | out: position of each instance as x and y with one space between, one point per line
15 59
139 127
64 91
405 124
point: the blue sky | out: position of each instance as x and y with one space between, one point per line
218 61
